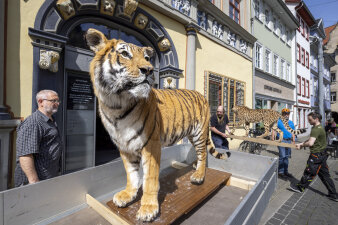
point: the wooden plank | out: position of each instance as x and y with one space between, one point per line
262 141
110 216
178 165
177 195
240 183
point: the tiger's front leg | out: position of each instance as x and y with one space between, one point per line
151 156
131 165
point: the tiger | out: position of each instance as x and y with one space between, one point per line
269 117
140 119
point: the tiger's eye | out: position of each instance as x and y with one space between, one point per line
125 54
147 58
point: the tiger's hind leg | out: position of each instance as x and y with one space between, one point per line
281 134
131 165
200 144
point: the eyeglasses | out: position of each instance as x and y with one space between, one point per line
53 100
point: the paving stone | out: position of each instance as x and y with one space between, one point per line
275 221
287 208
283 212
279 216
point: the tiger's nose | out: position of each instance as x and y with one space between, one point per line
147 70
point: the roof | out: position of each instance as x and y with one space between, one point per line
327 33
305 13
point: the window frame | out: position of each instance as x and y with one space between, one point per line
303 29
333 80
260 56
288 68
303 56
298 50
308 88
299 85
331 96
282 68
275 72
307 60
303 87
269 63
235 9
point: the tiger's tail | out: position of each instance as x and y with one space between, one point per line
292 131
211 149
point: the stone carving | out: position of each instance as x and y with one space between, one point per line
164 45
243 46
66 8
215 28
202 18
182 5
231 39
141 21
186 7
220 32
169 83
129 6
108 7
49 60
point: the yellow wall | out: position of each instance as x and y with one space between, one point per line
21 16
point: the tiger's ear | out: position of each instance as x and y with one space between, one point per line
149 51
95 40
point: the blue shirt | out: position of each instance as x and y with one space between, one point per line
286 133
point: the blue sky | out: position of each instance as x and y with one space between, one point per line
326 9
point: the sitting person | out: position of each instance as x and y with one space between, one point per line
330 136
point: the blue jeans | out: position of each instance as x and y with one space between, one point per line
220 142
284 154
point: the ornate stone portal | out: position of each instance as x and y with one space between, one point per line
66 8
169 83
129 6
141 21
164 45
49 60
108 7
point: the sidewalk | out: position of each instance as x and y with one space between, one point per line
311 207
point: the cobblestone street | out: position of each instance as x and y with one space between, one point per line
311 207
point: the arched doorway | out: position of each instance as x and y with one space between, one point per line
60 32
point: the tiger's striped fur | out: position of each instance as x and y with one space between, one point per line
141 120
269 118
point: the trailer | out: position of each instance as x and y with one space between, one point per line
63 200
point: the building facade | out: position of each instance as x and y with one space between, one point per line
303 88
317 32
201 45
275 69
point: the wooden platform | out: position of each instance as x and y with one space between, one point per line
262 141
177 195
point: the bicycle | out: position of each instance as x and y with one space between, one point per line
252 147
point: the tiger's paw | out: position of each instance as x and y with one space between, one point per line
122 198
197 177
147 213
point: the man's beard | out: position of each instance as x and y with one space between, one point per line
220 118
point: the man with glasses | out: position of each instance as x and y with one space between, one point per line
316 163
38 143
218 124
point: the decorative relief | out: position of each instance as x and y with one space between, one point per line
243 46
141 21
202 19
169 83
231 39
182 5
220 32
215 28
66 8
49 60
108 7
129 7
164 44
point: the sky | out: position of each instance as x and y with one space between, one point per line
326 9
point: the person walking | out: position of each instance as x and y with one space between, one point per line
218 124
38 143
285 152
316 163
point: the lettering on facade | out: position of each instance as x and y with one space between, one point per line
304 102
266 87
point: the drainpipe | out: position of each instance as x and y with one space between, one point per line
320 80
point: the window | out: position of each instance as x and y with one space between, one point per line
303 57
234 11
307 89
303 87
257 8
258 56
224 91
299 85
275 65
307 60
275 25
267 17
287 72
267 61
333 96
298 52
282 30
333 77
282 70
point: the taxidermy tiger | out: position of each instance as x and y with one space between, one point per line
140 120
269 118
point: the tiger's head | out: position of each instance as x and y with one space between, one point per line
118 67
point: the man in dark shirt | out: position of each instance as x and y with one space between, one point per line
218 124
316 164
38 144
